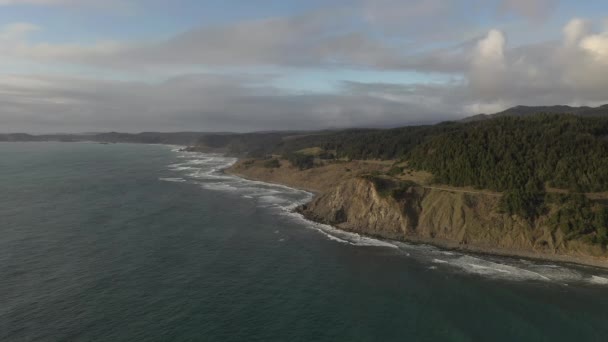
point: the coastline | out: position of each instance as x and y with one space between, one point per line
444 244
226 170
495 251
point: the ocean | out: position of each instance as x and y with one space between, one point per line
128 242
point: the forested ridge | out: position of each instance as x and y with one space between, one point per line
543 164
523 157
371 144
561 151
520 156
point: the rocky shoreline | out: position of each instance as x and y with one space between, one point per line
447 219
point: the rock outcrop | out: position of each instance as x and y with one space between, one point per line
452 218
449 218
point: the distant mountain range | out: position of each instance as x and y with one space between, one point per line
529 110
177 138
194 138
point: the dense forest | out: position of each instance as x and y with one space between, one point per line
531 152
370 144
578 217
505 153
521 156
561 151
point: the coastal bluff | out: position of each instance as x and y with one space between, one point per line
464 220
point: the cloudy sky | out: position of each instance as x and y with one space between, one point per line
243 65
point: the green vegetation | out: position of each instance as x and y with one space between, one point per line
522 202
520 156
511 153
272 164
301 161
522 153
311 151
387 186
368 143
578 217
395 171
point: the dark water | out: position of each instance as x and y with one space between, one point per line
141 243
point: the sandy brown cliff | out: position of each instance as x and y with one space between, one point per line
448 218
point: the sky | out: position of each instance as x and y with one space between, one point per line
69 66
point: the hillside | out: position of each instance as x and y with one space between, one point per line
361 197
531 110
514 152
450 219
543 168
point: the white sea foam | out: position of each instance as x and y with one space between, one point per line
339 235
175 148
208 175
176 180
181 168
556 273
494 269
206 171
335 238
273 199
598 280
203 161
218 187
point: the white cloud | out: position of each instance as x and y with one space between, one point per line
485 108
490 50
575 30
315 39
488 65
597 46
549 73
190 102
15 43
498 76
488 75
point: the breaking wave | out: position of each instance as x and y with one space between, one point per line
206 170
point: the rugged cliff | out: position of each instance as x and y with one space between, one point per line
448 218
460 218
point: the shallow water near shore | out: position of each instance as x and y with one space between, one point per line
138 242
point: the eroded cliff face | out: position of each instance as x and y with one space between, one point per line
450 218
